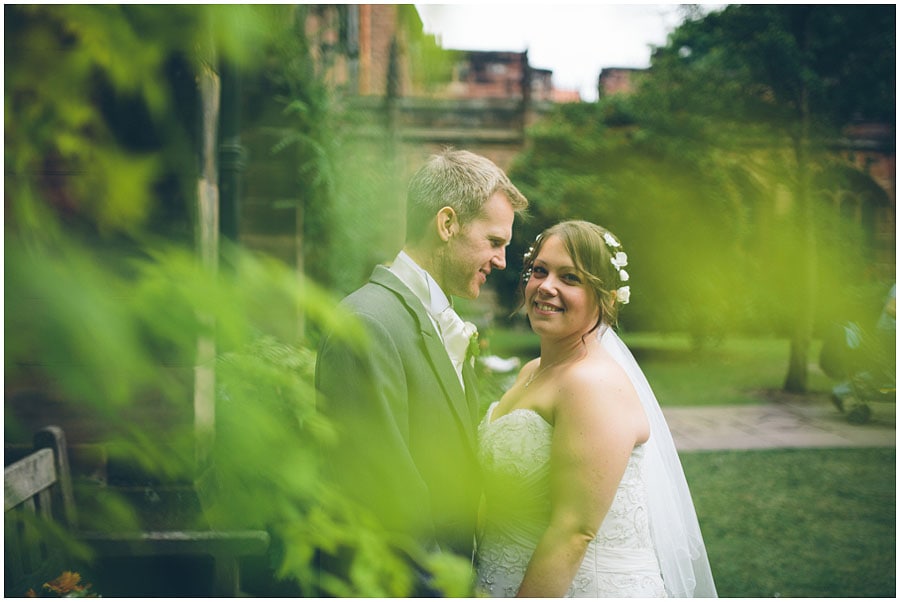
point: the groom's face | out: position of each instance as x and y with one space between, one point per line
478 248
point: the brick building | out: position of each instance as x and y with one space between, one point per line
353 46
359 48
481 74
617 80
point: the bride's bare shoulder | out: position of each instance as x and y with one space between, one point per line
599 393
599 377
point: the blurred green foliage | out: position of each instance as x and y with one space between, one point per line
108 309
430 64
324 160
268 437
90 101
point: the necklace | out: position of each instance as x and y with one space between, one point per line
533 376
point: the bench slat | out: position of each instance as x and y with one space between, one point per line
28 477
38 487
165 543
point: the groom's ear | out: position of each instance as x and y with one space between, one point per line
447 223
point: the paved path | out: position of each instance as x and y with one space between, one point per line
784 423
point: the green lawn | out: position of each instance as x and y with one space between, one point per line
798 523
735 371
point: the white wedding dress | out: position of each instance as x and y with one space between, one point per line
649 544
515 454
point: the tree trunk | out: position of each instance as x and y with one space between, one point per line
798 372
208 249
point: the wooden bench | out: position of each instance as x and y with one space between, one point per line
40 512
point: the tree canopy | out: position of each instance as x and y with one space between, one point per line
719 173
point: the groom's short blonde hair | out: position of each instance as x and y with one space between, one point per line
459 179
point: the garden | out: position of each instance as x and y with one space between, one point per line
178 352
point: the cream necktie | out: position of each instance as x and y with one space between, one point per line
457 335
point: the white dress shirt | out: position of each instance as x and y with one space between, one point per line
453 331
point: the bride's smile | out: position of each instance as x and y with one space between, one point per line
546 307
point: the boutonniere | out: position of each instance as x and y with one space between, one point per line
474 349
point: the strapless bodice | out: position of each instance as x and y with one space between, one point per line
514 451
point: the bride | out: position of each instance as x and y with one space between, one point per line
585 494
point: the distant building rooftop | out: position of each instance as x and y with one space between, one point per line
617 80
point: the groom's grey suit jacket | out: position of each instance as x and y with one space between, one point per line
407 429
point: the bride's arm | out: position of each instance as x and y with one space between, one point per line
595 431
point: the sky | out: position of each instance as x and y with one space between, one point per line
575 41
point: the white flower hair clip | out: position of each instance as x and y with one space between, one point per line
619 261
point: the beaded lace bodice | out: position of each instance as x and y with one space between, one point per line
514 451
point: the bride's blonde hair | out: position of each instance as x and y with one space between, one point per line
592 249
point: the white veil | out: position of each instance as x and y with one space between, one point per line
673 521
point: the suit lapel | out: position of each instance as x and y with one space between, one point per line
436 354
471 392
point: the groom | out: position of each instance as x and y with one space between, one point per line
405 402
